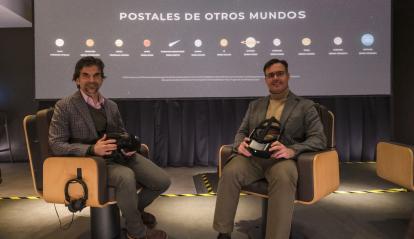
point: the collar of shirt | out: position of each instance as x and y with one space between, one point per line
90 101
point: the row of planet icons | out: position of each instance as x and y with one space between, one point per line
367 40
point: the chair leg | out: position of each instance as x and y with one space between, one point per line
264 216
105 222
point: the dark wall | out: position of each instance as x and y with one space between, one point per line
16 84
403 65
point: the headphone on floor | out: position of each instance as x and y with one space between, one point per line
75 205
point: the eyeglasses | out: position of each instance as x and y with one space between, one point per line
274 74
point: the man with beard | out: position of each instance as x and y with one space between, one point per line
301 130
79 127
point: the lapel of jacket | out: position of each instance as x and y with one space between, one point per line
287 110
81 106
262 109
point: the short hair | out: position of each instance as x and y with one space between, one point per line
275 61
88 61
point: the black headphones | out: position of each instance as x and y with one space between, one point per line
75 205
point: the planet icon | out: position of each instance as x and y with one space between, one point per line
367 39
277 42
198 43
89 42
250 42
59 42
306 41
146 43
119 43
224 42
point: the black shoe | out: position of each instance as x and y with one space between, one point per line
148 219
224 236
151 234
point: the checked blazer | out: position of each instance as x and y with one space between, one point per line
72 129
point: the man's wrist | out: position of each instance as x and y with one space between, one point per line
295 152
90 151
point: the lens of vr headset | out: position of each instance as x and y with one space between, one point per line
267 132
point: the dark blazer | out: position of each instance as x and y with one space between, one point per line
72 129
301 127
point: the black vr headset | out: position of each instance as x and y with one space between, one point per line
262 137
126 142
75 205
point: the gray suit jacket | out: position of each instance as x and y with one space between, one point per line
301 127
72 129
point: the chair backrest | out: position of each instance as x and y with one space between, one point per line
36 128
328 121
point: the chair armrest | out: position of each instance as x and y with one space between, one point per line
395 163
57 171
318 175
224 157
144 150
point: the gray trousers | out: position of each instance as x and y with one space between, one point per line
282 176
125 178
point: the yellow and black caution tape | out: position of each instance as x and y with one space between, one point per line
390 190
189 195
207 183
19 198
377 191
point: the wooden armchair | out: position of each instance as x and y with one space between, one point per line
318 171
50 175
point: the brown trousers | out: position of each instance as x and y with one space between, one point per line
282 176
154 181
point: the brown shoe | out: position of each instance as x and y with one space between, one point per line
148 219
152 234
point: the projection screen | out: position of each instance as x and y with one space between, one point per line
214 48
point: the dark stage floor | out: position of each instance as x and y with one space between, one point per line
356 210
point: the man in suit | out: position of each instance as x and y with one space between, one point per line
79 127
301 130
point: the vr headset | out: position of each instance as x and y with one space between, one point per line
262 137
126 142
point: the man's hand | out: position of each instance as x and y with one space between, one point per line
128 154
281 151
104 146
242 149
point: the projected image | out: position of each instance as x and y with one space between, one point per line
306 41
90 43
224 42
187 49
59 42
277 42
367 39
338 41
119 43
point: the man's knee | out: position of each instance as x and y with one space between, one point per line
284 172
158 182
123 176
233 168
239 168
164 183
